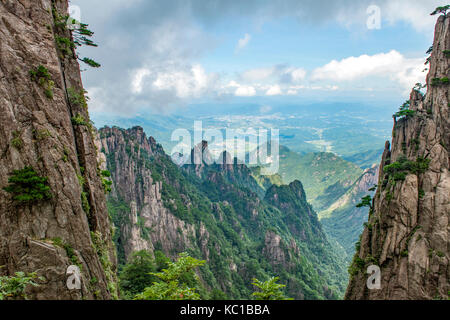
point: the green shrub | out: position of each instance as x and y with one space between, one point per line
27 186
135 275
421 193
17 141
41 76
91 63
170 286
269 290
443 10
79 120
65 45
70 252
105 182
14 287
365 202
404 111
81 36
438 82
101 247
77 98
398 170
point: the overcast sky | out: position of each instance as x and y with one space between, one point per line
161 55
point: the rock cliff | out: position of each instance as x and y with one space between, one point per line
41 96
147 221
407 231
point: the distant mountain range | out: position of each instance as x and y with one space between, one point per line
241 223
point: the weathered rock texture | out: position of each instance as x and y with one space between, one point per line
407 232
32 237
133 184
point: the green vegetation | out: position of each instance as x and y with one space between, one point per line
440 81
365 202
102 249
84 195
398 170
41 76
13 288
65 46
418 86
325 176
77 98
80 33
17 141
70 252
441 10
404 111
27 186
269 290
91 63
79 120
119 213
135 275
357 265
170 286
105 182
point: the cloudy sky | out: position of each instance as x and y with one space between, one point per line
161 55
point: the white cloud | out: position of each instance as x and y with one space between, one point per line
277 73
392 65
239 90
414 12
260 74
245 91
274 91
190 82
297 74
242 43
137 79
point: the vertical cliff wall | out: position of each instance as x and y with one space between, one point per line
44 124
145 222
407 231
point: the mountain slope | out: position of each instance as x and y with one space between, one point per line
407 231
212 212
342 220
325 176
69 224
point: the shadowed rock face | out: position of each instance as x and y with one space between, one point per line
32 236
407 233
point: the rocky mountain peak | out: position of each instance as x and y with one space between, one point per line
407 232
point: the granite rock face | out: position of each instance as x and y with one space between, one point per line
407 231
36 130
134 184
